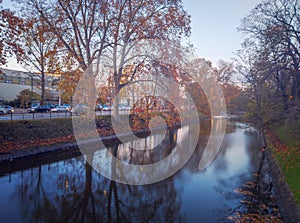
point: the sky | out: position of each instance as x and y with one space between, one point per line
214 27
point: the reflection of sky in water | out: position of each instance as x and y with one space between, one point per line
195 196
8 205
235 153
206 191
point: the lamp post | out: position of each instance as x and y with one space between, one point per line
31 93
59 92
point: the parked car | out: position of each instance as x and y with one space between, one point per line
123 107
43 108
79 110
9 109
69 106
32 109
62 108
127 107
99 107
106 108
51 105
3 110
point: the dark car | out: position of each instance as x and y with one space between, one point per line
44 108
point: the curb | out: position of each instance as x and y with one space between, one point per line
26 153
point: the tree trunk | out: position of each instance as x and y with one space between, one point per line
117 86
43 87
284 97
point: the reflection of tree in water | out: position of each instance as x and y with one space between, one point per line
33 195
54 193
206 128
258 203
71 191
156 202
231 203
150 203
145 151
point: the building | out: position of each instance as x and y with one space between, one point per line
12 82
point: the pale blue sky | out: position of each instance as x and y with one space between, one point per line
214 27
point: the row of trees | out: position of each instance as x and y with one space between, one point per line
66 36
63 36
270 58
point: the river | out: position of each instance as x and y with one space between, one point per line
68 189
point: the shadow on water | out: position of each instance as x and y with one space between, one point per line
69 190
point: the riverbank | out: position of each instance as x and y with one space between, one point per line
283 156
284 139
23 139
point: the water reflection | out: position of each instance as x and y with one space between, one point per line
216 136
71 191
146 163
65 192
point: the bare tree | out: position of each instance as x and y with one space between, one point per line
134 20
274 26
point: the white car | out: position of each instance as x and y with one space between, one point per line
9 109
124 107
3 110
62 108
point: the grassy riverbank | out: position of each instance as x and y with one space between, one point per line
285 143
28 134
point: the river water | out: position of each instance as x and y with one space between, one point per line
68 189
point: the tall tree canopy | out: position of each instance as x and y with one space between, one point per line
11 27
270 53
88 28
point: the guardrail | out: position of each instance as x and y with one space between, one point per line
35 115
25 115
